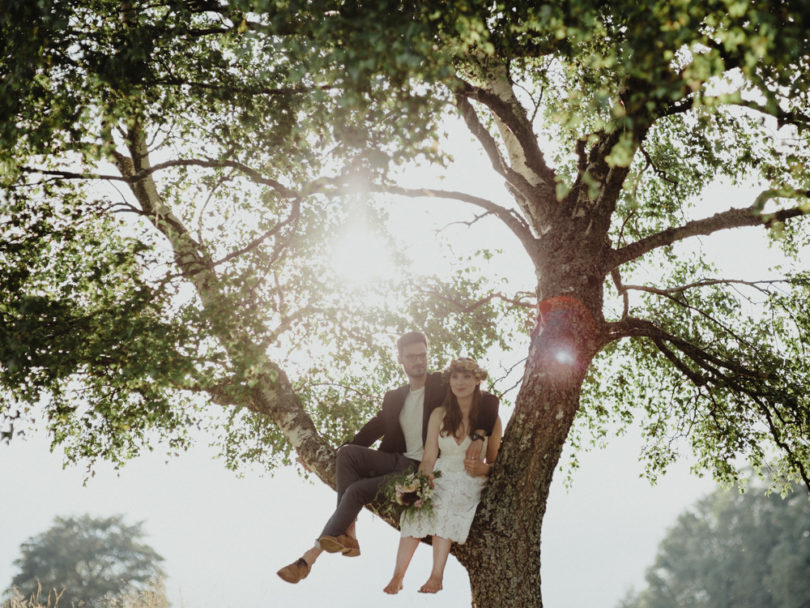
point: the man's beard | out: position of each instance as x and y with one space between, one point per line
411 373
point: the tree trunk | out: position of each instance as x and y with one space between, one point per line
502 554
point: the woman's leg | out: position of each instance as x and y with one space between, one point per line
407 546
441 549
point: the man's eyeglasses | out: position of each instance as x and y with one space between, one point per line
415 358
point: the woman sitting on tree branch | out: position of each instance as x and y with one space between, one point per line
458 490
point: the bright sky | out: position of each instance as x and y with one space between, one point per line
224 537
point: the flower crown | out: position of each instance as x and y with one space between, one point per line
465 364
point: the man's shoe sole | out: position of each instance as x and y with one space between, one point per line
330 544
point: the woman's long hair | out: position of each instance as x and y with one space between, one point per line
452 415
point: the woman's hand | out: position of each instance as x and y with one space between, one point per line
427 471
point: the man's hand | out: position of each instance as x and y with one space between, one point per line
476 468
474 451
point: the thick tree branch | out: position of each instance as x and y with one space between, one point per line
722 373
696 378
271 392
598 185
683 302
501 100
633 327
189 254
481 133
732 218
513 221
518 125
135 177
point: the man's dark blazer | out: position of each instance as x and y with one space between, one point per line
385 423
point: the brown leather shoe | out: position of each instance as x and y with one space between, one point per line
295 571
343 543
351 548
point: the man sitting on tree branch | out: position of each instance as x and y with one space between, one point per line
402 423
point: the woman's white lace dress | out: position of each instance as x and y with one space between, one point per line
455 496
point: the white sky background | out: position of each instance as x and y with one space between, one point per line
224 537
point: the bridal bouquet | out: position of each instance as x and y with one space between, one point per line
411 491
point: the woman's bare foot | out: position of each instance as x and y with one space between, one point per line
394 586
432 585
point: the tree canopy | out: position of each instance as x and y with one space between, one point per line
84 266
174 173
733 549
88 561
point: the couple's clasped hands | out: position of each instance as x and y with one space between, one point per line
473 463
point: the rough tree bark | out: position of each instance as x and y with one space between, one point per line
503 558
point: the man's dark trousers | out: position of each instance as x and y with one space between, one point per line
360 471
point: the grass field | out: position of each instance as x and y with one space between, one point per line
149 598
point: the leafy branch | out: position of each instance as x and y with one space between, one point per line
725 220
704 368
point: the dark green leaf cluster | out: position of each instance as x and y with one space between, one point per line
83 332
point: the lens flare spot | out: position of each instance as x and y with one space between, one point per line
564 356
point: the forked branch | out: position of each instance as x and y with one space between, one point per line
518 124
633 327
490 146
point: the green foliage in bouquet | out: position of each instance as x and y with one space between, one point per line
410 492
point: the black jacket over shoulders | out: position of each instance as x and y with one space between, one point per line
385 423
